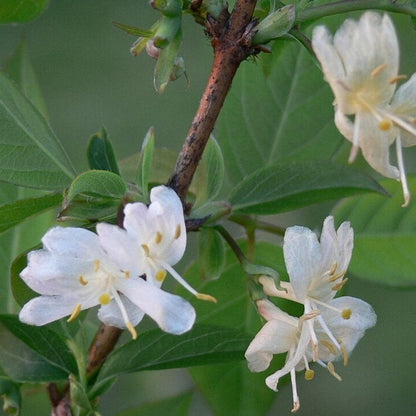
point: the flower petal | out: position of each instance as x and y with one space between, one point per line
375 144
295 356
45 309
275 337
111 315
302 255
171 312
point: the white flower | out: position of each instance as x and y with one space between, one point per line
284 333
330 328
117 269
361 65
153 238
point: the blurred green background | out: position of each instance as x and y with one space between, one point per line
90 80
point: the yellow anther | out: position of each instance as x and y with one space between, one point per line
309 315
344 354
378 69
385 125
309 375
331 347
82 280
104 299
75 313
397 79
333 268
296 407
177 232
96 265
158 238
336 276
146 249
127 273
206 297
132 330
346 313
340 285
160 275
331 369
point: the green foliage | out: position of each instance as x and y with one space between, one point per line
18 11
210 173
287 116
94 195
155 350
146 162
100 153
287 186
49 360
211 253
231 388
385 236
26 136
173 406
16 212
10 393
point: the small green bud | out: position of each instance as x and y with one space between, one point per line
169 8
275 25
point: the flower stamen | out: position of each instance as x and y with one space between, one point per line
177 232
346 313
330 346
340 285
160 275
104 299
75 313
96 265
397 78
83 281
378 69
331 369
159 237
146 249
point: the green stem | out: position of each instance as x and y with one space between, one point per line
246 221
344 6
232 243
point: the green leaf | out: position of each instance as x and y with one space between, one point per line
166 60
30 153
79 398
16 212
100 153
21 71
210 173
22 363
132 30
146 162
156 350
17 11
211 250
172 406
287 116
288 186
100 183
10 393
232 388
385 236
21 292
43 341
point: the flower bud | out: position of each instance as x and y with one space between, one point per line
275 25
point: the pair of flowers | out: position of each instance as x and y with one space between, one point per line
329 328
120 269
361 65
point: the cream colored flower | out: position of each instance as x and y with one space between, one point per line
360 62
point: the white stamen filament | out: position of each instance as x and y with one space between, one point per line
328 332
124 314
296 403
400 163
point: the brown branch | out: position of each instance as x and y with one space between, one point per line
102 345
231 40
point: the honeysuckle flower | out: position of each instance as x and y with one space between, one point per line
120 269
74 272
361 65
153 238
283 333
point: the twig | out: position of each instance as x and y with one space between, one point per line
231 40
